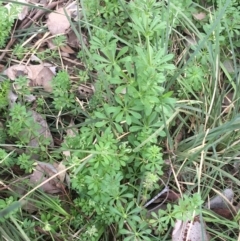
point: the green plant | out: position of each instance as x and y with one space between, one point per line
48 54
8 13
4 203
26 163
107 15
196 77
29 227
21 124
63 98
137 105
20 51
187 209
5 87
21 86
59 41
7 159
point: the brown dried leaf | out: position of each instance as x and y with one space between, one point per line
15 71
58 22
34 58
60 168
38 75
42 76
12 98
190 41
70 133
67 49
65 55
51 67
199 16
42 173
43 131
73 39
222 204
190 231
74 10
222 200
24 11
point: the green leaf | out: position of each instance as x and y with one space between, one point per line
115 80
128 119
122 52
119 117
120 89
100 115
135 114
113 109
100 124
100 58
119 128
135 128
8 210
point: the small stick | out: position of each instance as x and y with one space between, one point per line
166 189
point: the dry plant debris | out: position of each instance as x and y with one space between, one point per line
42 173
58 22
190 230
38 75
44 130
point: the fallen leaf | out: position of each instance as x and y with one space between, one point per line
199 16
51 67
222 205
34 58
225 212
43 131
15 71
29 98
38 75
160 203
67 49
58 22
41 76
24 11
222 200
60 168
41 174
12 98
74 10
65 55
70 133
73 39
190 231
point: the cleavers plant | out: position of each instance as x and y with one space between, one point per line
123 132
